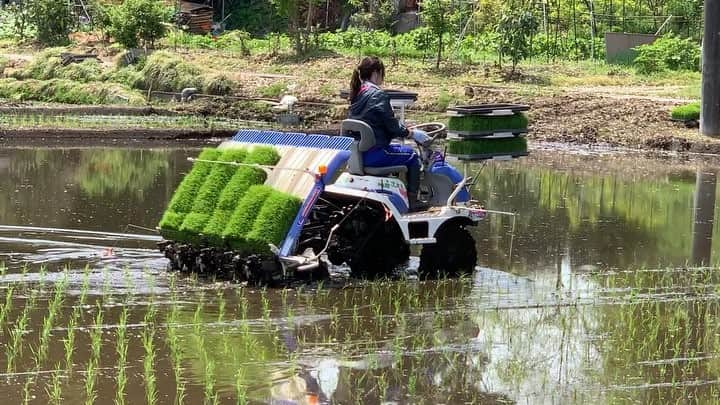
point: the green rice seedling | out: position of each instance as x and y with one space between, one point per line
240 388
54 391
273 221
243 179
16 336
480 124
211 397
121 348
148 335
69 341
488 147
209 193
243 218
29 383
688 112
184 197
6 307
90 381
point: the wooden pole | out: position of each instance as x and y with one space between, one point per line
710 114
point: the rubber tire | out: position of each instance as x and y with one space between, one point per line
453 254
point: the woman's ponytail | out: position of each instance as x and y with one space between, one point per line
355 84
364 71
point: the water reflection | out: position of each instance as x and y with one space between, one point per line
580 321
602 212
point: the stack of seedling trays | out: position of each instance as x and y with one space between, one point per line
488 131
228 206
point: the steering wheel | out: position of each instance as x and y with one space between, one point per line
434 129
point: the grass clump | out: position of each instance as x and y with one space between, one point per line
165 71
689 112
478 123
48 65
66 91
182 201
488 146
244 216
209 193
244 178
219 85
273 221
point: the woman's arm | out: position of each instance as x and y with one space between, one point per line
392 125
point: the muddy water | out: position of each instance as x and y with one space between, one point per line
585 297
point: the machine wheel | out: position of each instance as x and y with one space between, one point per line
454 254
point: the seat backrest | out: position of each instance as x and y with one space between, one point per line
355 163
361 131
364 141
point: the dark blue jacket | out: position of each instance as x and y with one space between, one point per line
372 106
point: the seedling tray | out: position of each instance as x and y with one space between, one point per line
495 134
487 109
491 156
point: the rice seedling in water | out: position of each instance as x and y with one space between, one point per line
18 332
6 308
148 336
54 391
69 341
90 380
240 389
121 348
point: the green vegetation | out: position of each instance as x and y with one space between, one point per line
209 193
137 22
515 30
244 216
688 112
668 53
67 91
237 187
481 124
273 221
165 71
226 205
184 197
488 146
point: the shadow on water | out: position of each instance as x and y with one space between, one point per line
595 305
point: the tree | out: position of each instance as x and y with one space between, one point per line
53 20
441 17
515 29
137 21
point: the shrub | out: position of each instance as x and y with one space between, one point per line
487 146
689 112
273 222
165 71
209 193
52 19
668 53
479 124
136 22
244 216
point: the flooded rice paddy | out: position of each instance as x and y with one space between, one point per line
594 295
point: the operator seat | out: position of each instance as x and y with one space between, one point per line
364 141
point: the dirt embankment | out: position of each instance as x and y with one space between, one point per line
609 119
